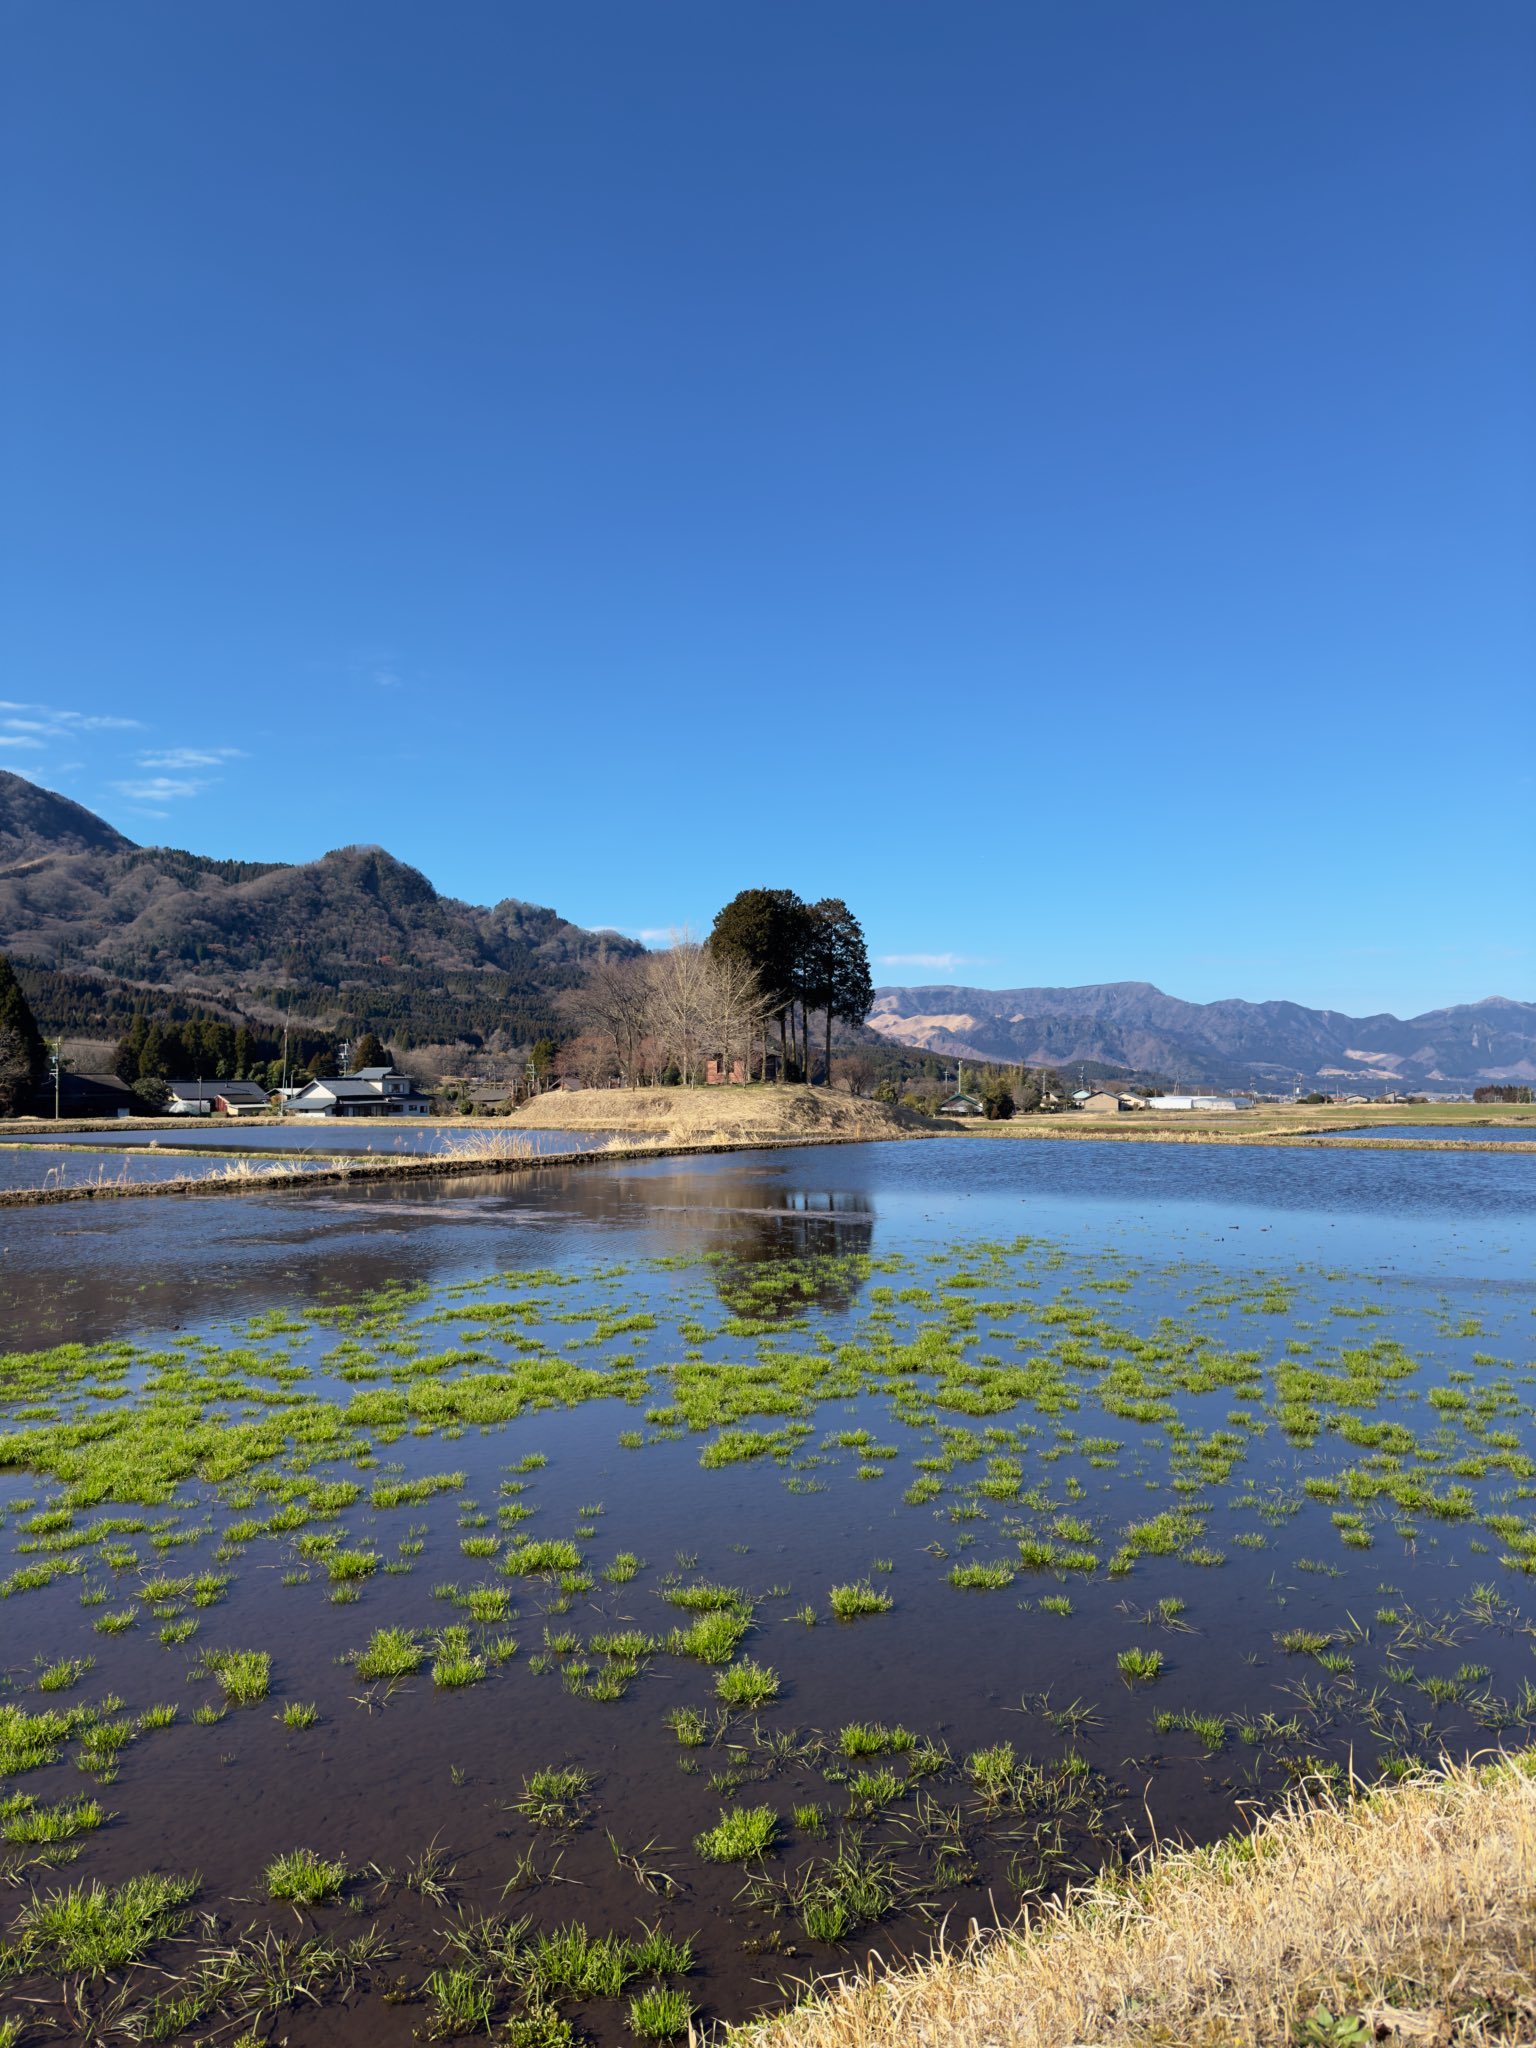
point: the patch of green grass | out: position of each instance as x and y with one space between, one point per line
551 1554
391 1653
553 1798
1211 1729
688 1725
994 1772
873 1738
742 1834
1140 1667
93 1928
343 1567
66 1673
747 1684
459 2001
23 1820
981 1577
243 1676
850 1890
661 2013
714 1637
304 1879
849 1602
299 1714
456 1663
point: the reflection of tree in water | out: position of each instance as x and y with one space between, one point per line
784 1250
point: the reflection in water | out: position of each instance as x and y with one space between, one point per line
85 1273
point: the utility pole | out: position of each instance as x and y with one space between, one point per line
55 1068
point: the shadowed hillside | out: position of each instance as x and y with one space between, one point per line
96 925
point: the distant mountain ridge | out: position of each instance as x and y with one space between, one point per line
1228 1044
98 926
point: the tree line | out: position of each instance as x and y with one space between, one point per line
747 997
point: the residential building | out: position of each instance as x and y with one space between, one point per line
962 1105
189 1098
374 1091
217 1098
1098 1103
84 1095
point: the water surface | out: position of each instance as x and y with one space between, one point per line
1261 1417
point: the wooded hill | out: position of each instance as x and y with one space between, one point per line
99 927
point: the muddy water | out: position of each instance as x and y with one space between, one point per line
1259 1252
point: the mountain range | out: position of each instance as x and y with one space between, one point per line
97 926
1229 1044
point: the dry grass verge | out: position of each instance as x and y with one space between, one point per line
699 1116
1407 1911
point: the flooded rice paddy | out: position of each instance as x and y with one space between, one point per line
1442 1134
73 1159
564 1607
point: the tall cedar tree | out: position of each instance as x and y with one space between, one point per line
768 928
813 954
368 1052
837 978
23 1056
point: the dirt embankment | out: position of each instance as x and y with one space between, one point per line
707 1116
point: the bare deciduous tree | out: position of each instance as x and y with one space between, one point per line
613 1002
736 1007
679 1005
588 1059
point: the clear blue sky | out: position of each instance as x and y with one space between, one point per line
1059 475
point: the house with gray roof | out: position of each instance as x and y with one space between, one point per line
373 1091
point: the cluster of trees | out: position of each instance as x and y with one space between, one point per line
771 964
1002 1091
212 1049
1506 1091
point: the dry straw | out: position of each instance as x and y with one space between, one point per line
1408 1908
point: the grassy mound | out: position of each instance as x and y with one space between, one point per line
702 1116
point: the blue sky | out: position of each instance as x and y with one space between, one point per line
1058 475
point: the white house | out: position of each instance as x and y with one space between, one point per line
374 1091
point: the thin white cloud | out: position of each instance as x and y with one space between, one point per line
20 739
47 718
191 757
930 960
160 788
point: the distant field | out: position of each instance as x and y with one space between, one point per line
1483 1122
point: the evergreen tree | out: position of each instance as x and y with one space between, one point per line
770 930
23 1056
835 968
368 1052
125 1064
152 1055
